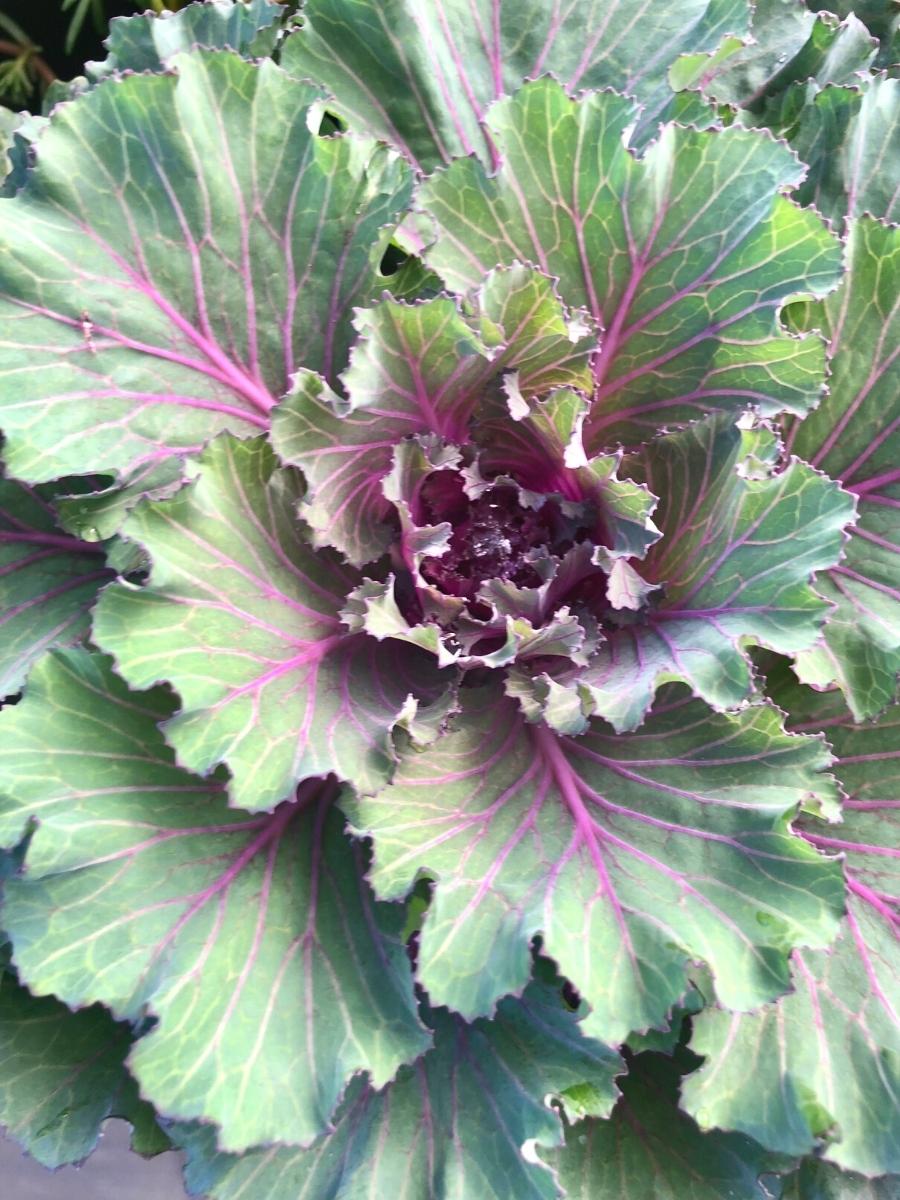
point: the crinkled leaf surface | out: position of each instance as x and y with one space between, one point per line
452 1126
540 444
62 1074
241 616
683 256
855 437
734 564
634 854
147 41
184 244
48 581
851 139
422 73
418 369
252 939
649 1150
824 1062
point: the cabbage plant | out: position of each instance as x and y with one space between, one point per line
450 601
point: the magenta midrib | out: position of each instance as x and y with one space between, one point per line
54 540
548 747
241 382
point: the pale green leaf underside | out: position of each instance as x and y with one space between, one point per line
633 855
184 244
241 617
451 1126
253 939
855 437
683 256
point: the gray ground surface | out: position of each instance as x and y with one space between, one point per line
111 1173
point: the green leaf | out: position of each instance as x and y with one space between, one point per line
879 16
633 855
851 139
788 44
649 1150
734 565
149 40
243 619
62 1074
422 73
419 369
253 940
684 256
48 581
454 1125
823 1063
96 515
540 444
816 1180
65 1066
855 436
184 244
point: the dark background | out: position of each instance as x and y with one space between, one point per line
47 26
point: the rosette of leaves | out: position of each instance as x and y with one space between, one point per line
438 437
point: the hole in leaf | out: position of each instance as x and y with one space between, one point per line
392 260
331 124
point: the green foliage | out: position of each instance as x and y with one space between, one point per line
450 598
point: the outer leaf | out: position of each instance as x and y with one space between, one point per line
649 1150
683 256
422 73
788 44
99 514
855 437
48 582
851 139
816 1180
242 618
148 41
62 1074
824 1062
9 123
633 854
453 1126
184 244
880 16
419 369
734 560
252 940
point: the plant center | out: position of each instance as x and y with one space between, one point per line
494 536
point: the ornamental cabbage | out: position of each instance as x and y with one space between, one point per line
451 591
